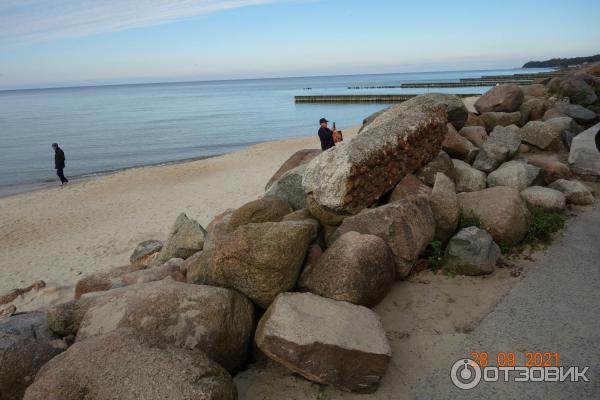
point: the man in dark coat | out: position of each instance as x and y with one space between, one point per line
598 140
325 135
59 162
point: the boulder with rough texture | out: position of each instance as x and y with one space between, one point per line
541 134
26 344
474 120
408 186
501 212
261 260
358 172
533 109
299 215
535 90
370 119
407 226
552 113
312 258
103 281
215 320
125 366
300 157
326 341
289 188
491 154
514 174
576 89
545 198
444 205
507 136
185 239
494 119
579 113
65 319
145 252
453 105
266 209
501 98
475 134
468 179
472 251
575 191
550 168
357 268
441 163
584 157
457 146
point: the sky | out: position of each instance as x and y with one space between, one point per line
52 43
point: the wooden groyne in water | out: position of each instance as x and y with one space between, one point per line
459 84
366 98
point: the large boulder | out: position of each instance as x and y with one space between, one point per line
358 172
266 209
494 119
515 174
408 186
103 281
126 366
261 260
65 319
457 146
579 113
533 109
541 134
575 191
357 268
491 154
576 89
289 188
472 251
445 208
215 320
453 105
551 168
326 341
300 157
407 226
535 90
468 179
185 239
545 198
501 98
474 120
441 163
171 268
475 134
501 212
584 157
370 119
146 252
507 136
26 344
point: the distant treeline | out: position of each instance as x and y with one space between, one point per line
561 62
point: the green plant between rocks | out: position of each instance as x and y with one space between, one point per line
467 220
435 255
543 226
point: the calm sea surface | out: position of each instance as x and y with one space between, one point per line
106 128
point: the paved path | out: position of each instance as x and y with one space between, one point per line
556 308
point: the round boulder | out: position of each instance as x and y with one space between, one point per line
471 251
545 198
501 98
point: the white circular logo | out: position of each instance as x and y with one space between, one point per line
465 374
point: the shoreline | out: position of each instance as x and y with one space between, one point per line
60 234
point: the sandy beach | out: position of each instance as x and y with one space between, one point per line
60 234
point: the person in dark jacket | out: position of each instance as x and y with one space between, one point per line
598 140
325 135
59 163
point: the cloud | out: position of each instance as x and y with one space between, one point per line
25 21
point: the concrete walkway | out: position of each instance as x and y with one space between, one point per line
555 308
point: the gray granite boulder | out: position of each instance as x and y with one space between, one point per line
579 113
468 179
441 163
472 251
541 134
491 154
545 198
444 205
507 136
584 157
265 209
300 157
494 119
26 344
515 174
145 252
475 134
289 188
575 191
185 238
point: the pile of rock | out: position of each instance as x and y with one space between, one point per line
295 268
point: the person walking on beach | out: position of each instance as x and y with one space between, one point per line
59 163
325 135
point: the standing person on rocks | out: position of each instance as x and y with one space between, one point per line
59 163
326 135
